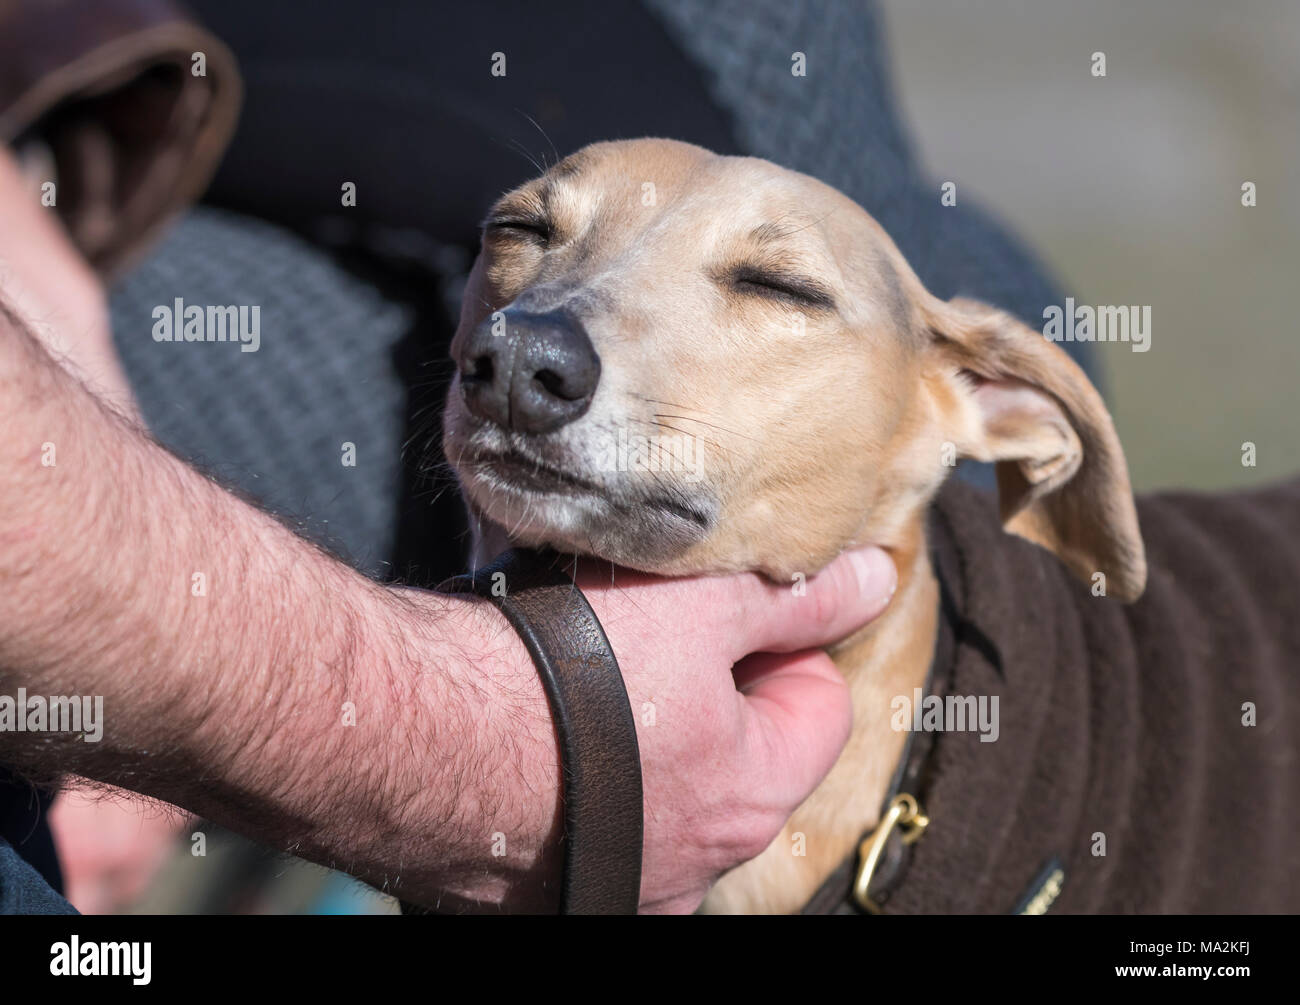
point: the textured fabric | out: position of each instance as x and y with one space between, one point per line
837 122
405 105
23 890
1122 721
24 824
272 423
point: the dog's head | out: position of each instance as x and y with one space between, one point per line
687 363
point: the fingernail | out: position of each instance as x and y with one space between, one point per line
877 578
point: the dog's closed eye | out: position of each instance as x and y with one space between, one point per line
780 285
523 227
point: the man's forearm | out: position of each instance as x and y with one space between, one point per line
245 675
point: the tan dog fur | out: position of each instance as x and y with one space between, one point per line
822 427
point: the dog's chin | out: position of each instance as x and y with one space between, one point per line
538 505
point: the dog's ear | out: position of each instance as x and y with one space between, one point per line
1022 403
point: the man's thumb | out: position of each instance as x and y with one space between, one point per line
847 594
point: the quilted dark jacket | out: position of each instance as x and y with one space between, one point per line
1165 733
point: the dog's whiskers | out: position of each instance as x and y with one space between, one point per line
690 418
722 451
554 153
721 429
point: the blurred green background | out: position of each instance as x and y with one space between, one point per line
1129 186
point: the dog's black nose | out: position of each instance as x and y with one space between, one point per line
528 372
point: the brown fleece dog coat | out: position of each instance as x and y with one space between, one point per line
1122 722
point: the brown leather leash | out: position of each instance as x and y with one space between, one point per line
600 759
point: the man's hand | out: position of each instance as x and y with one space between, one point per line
725 762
